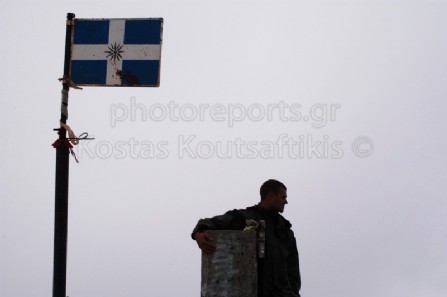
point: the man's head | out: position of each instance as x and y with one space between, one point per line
273 195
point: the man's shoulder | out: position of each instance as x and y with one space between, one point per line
243 210
252 208
255 212
250 212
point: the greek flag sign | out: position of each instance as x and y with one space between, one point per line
116 52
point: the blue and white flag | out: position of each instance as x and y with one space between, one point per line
116 52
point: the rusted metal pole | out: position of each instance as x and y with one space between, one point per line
62 173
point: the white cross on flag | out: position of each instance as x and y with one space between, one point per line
116 52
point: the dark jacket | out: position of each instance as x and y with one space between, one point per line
278 272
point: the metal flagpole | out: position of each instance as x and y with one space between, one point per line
62 172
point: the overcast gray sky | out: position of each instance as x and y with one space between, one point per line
343 101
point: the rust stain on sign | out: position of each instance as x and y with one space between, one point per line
128 77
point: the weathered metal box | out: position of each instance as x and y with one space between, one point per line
231 271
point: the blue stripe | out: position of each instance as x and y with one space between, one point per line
140 72
89 72
91 32
142 31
